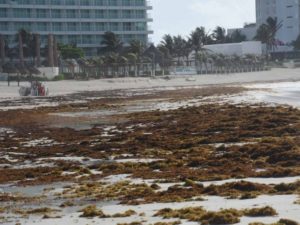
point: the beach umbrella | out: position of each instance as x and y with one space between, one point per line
22 69
9 68
33 70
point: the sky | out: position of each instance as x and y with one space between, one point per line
182 16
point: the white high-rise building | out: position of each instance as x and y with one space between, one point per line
81 22
287 13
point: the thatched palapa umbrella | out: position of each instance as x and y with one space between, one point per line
9 68
32 71
22 70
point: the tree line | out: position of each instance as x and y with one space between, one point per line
115 58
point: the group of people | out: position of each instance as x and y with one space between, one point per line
36 89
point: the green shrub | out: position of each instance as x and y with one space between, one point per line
59 77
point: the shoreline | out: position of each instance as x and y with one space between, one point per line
67 87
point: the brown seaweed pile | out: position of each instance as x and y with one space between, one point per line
183 147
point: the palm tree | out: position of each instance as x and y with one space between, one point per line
220 63
123 62
197 39
263 35
166 58
111 61
266 33
168 43
71 64
186 51
236 60
237 37
296 43
179 47
199 62
155 55
132 59
111 42
99 64
137 48
219 35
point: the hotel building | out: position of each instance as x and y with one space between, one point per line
287 13
81 22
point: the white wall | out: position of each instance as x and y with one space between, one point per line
243 48
252 47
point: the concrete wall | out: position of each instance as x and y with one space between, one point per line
252 47
243 48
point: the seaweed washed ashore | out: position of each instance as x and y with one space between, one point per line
201 162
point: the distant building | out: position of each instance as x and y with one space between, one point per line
287 13
76 21
249 31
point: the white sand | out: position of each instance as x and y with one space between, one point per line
68 87
287 210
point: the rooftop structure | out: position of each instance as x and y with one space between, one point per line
81 22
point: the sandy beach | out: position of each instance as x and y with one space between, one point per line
69 87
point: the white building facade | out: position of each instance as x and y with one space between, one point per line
287 13
81 22
240 49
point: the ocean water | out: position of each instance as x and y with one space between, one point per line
286 93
